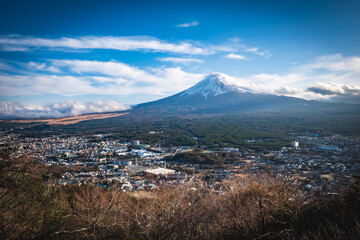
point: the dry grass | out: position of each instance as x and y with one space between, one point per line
248 161
242 175
142 195
70 120
257 207
328 176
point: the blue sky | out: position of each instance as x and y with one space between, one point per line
65 57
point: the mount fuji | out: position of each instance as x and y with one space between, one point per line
218 93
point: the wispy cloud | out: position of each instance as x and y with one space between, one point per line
43 67
129 43
335 63
137 43
56 110
180 60
330 78
236 56
255 50
237 44
189 24
112 68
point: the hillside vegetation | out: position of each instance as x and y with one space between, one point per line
257 208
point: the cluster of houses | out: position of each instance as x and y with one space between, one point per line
314 163
130 178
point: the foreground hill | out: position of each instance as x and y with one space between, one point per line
255 208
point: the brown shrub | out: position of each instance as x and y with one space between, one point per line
259 207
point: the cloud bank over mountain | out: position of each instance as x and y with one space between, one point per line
332 78
322 79
171 67
57 110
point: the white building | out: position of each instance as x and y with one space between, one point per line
123 162
143 153
231 149
136 143
159 171
295 144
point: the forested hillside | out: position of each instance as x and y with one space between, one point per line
255 208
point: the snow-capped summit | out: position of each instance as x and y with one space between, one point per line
214 84
219 93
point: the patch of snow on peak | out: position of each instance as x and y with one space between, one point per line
215 84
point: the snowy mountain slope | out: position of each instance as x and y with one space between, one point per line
213 85
219 93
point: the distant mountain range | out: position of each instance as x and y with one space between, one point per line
218 94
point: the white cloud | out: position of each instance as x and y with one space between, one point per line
332 78
180 60
336 92
162 76
189 24
335 62
236 45
12 48
236 56
53 69
333 73
115 69
79 77
129 43
255 50
292 85
43 67
174 80
38 66
278 80
134 43
334 81
14 85
335 89
56 110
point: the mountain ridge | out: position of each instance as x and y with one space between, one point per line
218 93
